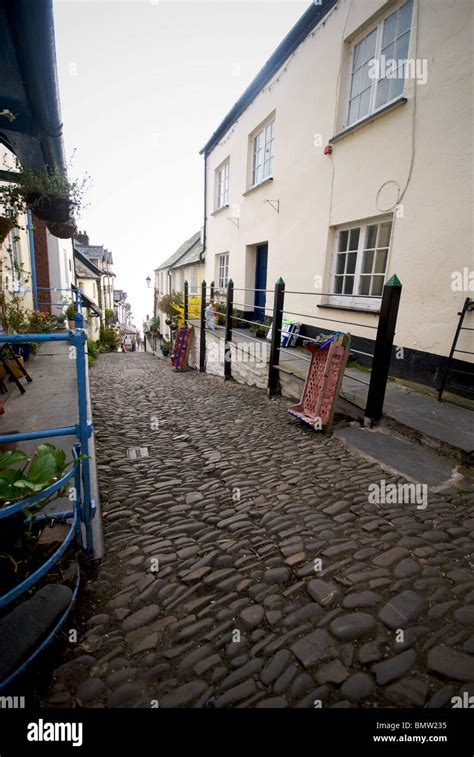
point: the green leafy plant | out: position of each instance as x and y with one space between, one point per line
109 315
108 339
169 302
70 311
48 192
154 325
259 329
41 322
165 348
46 466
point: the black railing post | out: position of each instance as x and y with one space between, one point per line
383 349
185 302
228 330
212 292
277 322
202 341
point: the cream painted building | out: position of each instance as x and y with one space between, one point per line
337 169
186 264
88 279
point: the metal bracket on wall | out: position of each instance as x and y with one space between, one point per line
235 221
275 204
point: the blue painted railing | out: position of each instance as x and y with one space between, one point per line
83 507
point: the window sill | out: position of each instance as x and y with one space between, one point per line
349 307
391 106
257 186
219 210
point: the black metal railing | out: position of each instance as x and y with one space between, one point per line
468 307
384 336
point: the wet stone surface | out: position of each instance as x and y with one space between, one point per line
245 567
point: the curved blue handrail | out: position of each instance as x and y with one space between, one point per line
34 499
14 593
47 640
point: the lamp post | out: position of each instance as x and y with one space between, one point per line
148 281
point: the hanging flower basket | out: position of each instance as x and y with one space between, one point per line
51 209
6 225
61 230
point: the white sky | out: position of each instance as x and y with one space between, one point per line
143 85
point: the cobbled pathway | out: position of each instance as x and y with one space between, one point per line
245 566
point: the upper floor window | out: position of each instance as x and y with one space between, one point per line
223 270
361 260
378 66
222 193
262 153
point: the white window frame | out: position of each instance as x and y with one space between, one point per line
222 270
377 55
263 142
222 184
357 301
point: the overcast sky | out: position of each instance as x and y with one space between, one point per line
143 84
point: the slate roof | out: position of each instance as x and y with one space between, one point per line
191 249
94 252
85 268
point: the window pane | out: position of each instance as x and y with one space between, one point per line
371 39
381 261
383 92
359 56
402 46
348 285
368 261
404 17
364 285
365 81
351 262
340 263
355 84
354 239
338 284
364 103
384 234
371 237
397 87
377 285
354 110
343 239
389 29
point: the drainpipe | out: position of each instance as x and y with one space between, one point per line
201 254
31 241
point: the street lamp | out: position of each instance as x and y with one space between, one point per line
148 281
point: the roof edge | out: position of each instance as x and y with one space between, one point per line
305 24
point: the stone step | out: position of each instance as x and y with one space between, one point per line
400 455
25 627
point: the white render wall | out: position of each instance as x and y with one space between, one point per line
61 270
424 145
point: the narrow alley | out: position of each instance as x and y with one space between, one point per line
245 565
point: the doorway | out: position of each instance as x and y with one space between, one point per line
261 261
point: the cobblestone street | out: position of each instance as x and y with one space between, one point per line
245 566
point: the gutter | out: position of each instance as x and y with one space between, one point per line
32 30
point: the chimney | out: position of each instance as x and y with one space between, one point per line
82 238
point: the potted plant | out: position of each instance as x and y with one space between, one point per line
70 312
51 195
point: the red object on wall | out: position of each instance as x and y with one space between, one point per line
42 265
323 383
328 150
